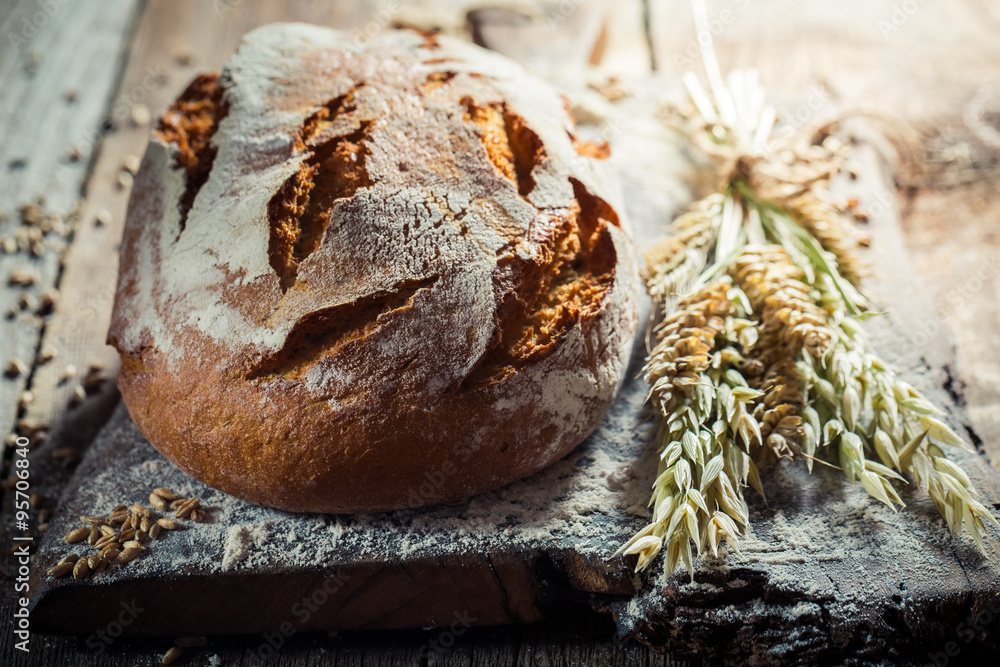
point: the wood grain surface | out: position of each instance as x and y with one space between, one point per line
933 67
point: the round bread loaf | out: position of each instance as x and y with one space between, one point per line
366 276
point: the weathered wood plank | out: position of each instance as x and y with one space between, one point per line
60 66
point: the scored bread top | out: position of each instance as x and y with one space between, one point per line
392 221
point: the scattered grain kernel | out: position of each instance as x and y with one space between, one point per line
141 115
154 530
168 524
128 555
77 535
69 558
133 544
80 569
60 570
131 164
125 180
165 493
94 561
139 510
158 502
95 534
15 368
171 656
185 509
93 520
22 278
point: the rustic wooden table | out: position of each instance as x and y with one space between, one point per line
81 81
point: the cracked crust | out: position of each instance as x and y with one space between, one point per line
358 278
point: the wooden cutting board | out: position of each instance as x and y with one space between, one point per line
827 573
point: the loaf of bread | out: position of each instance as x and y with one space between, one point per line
359 277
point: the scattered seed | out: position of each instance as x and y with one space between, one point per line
93 520
144 524
185 509
141 535
80 569
15 368
141 511
128 555
158 502
34 500
125 180
165 493
48 304
94 561
22 278
69 558
168 524
141 115
105 541
118 517
171 656
198 516
127 534
102 565
78 535
154 530
60 570
111 554
95 534
43 515
131 164
177 502
133 544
